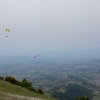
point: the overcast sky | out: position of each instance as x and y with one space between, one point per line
49 25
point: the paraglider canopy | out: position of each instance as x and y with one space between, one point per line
37 56
7 29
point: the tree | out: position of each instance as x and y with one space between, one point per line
40 91
26 84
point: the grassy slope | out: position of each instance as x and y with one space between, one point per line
6 87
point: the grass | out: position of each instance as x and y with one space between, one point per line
6 87
6 97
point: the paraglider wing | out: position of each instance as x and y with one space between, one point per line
7 29
37 56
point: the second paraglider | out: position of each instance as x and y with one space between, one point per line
36 57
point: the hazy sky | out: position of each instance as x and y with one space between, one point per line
49 25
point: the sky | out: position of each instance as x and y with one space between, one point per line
37 25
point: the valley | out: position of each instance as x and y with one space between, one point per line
55 75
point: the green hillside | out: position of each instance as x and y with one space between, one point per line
9 91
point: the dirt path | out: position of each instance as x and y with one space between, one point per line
18 97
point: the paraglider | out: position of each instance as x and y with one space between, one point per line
8 30
36 57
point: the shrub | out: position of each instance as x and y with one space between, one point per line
1 78
40 91
32 89
12 80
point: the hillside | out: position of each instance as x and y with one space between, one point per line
9 91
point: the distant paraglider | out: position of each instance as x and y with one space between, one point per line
8 30
36 57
